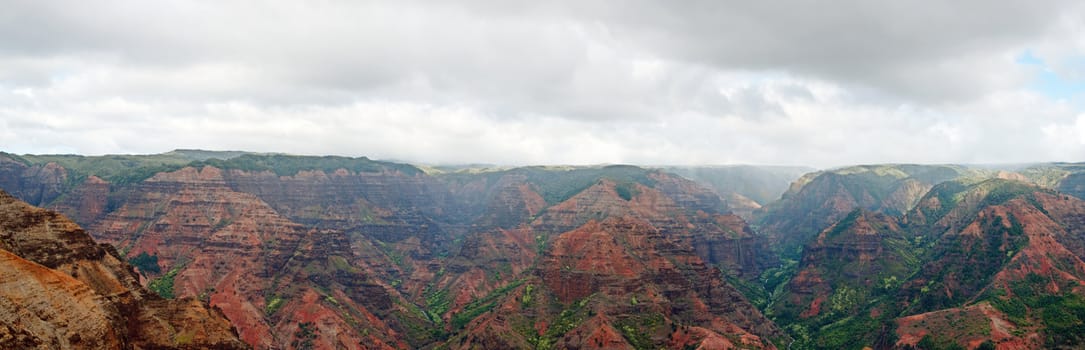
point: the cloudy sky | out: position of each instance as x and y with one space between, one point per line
550 82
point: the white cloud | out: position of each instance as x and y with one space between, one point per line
556 82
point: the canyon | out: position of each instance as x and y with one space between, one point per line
307 252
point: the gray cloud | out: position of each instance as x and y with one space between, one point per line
543 82
915 49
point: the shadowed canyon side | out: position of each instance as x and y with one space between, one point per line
270 275
990 263
744 188
61 290
856 262
818 199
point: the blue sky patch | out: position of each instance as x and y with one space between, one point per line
1051 83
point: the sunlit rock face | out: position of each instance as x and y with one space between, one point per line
62 290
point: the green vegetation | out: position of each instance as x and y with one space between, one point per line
540 243
802 211
223 223
146 263
946 193
1062 315
909 251
339 263
846 300
569 319
862 301
1049 175
854 332
184 338
929 342
953 194
394 255
880 181
199 154
304 336
525 300
482 305
1063 318
122 170
437 303
556 184
626 190
273 305
16 158
859 299
638 329
971 262
163 286
845 224
289 165
119 170
1000 191
772 284
754 290
419 329
205 295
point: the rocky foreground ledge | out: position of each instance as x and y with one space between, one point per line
61 290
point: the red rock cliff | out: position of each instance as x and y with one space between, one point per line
59 289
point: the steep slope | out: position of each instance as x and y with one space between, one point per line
83 188
993 263
619 283
1068 178
1003 246
391 212
272 277
37 184
996 261
501 261
59 289
681 210
819 199
740 205
86 202
855 263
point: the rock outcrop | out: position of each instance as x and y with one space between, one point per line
61 290
856 260
37 184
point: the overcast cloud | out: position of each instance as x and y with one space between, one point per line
541 82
